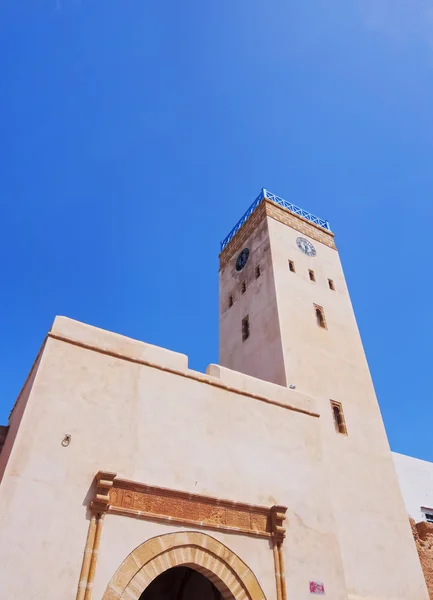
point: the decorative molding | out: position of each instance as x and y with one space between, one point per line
98 508
290 206
130 498
302 225
87 559
267 208
280 578
278 516
133 499
230 575
243 234
104 483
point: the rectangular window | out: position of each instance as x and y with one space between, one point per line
244 287
320 316
428 514
257 271
331 285
230 300
338 416
245 328
292 266
311 274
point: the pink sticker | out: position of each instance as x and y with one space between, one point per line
316 587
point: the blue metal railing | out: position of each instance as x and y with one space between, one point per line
273 198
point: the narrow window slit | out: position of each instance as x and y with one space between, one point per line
339 421
245 328
320 317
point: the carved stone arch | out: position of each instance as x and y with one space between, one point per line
199 551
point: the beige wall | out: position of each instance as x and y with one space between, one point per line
372 523
330 364
259 303
180 431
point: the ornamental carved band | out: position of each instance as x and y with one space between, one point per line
124 497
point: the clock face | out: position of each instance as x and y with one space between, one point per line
241 260
305 246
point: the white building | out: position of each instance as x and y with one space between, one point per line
416 482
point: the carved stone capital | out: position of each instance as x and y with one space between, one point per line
104 482
278 516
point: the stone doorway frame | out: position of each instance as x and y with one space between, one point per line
199 551
219 564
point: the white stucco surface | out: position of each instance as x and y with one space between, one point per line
416 482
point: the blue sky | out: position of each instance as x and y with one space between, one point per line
135 134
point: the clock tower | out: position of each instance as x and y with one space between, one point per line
286 317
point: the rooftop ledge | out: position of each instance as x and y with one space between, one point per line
113 344
265 194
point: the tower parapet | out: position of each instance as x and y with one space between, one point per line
271 205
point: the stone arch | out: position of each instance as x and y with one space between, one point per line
199 551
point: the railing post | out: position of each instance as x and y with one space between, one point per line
264 194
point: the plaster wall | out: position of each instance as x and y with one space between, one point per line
259 303
16 417
163 425
330 364
416 483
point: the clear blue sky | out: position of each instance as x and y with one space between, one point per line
135 133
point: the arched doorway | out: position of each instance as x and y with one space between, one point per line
181 583
197 551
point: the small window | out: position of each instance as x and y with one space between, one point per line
230 300
311 274
292 266
244 287
429 516
320 317
339 422
331 285
245 328
258 271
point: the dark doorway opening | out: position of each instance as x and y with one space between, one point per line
181 583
